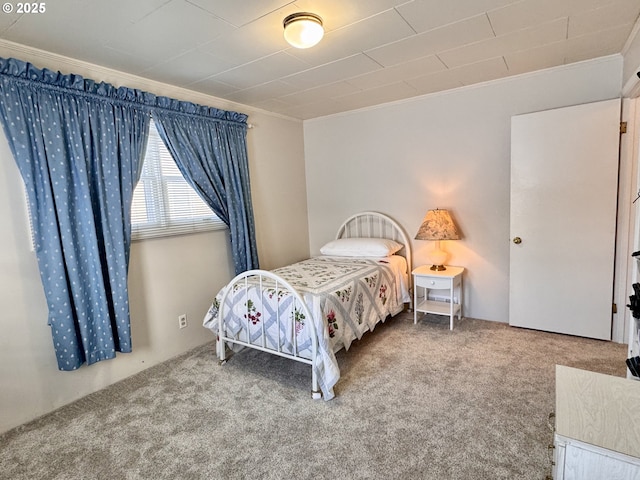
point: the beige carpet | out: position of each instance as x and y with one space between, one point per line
414 402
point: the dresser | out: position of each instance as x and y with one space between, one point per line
597 434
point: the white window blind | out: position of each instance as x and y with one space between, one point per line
163 202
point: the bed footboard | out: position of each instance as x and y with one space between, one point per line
261 310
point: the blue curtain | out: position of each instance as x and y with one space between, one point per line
210 149
79 146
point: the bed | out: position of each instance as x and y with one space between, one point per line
310 310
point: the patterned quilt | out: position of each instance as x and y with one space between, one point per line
346 297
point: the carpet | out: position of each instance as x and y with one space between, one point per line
413 402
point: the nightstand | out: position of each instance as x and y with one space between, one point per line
449 279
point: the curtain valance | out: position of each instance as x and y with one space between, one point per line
28 74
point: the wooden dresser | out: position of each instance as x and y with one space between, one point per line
597 426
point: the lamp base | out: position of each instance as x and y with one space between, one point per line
438 258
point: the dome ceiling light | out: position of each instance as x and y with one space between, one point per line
303 29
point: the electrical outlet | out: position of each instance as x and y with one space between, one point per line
182 321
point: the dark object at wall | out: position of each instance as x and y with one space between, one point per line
634 301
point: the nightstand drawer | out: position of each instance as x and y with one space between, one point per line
435 283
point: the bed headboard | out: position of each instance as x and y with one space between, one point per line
376 225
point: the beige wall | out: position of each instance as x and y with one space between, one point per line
168 276
631 56
447 150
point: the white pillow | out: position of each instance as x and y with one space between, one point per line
361 247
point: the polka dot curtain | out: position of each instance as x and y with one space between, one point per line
211 153
79 152
79 146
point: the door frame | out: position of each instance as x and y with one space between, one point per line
627 227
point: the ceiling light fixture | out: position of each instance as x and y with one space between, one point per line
303 29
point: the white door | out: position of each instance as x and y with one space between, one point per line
564 176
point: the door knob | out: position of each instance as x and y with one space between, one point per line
517 240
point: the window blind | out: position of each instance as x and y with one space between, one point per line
163 202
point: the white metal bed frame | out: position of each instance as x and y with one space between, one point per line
361 225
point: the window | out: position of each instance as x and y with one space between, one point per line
163 202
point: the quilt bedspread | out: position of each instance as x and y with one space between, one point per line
345 296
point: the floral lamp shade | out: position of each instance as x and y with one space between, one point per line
438 225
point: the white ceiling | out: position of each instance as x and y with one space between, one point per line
374 51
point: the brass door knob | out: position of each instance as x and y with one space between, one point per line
517 240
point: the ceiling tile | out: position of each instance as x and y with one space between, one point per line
263 70
313 110
333 72
122 61
212 87
261 92
484 71
415 68
425 15
434 82
526 14
6 20
60 30
547 56
183 69
384 94
604 18
445 38
505 44
313 95
239 13
599 44
150 36
258 39
339 13
135 11
272 104
577 6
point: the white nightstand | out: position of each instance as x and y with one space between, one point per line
449 279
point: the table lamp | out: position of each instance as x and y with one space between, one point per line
438 225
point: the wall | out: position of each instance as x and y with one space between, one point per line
447 150
631 55
167 276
